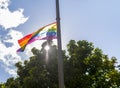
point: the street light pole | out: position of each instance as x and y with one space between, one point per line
60 59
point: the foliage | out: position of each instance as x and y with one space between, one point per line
2 85
88 67
84 67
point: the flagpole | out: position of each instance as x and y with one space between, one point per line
60 59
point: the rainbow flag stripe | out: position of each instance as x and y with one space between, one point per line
47 32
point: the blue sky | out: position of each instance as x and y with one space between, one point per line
97 21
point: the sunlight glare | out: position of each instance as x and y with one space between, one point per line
47 48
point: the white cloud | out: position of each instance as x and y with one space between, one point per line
8 41
10 19
11 71
4 3
8 55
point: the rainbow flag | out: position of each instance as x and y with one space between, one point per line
47 32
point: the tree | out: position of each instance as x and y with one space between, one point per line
2 85
75 67
84 67
12 83
41 71
88 67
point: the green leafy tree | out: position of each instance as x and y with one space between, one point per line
88 67
41 71
84 67
75 67
12 83
2 85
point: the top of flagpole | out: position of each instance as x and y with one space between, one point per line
57 11
60 59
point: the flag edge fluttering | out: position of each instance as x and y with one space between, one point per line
23 42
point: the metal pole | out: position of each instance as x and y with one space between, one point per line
60 59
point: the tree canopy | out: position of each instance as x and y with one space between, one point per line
84 67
